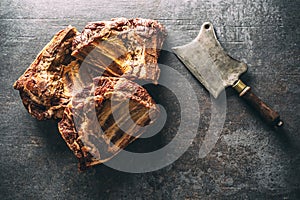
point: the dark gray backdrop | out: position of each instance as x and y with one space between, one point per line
249 161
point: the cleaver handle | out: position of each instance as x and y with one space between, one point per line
268 114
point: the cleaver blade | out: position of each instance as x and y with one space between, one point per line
208 62
215 69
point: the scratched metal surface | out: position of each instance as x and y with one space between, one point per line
249 161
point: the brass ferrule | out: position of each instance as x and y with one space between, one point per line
241 87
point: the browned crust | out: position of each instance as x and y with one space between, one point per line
126 49
122 47
41 87
79 126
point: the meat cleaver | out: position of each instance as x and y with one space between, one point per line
215 69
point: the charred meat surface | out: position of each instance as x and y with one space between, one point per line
44 85
86 80
122 47
105 117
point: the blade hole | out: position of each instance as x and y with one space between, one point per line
206 26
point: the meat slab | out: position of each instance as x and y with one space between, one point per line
105 117
43 86
86 80
122 47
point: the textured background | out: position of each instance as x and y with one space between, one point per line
249 161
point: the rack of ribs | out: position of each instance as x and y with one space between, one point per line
58 86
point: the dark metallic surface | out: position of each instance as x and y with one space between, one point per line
250 160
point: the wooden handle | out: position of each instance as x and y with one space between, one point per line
268 114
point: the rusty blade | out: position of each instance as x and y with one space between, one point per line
208 62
